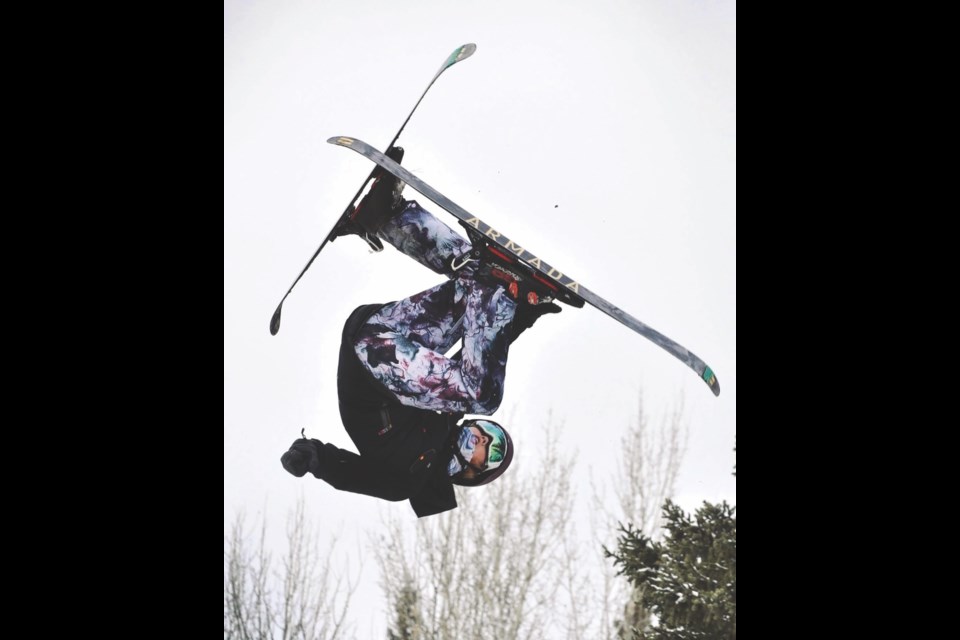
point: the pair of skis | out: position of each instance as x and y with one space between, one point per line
566 288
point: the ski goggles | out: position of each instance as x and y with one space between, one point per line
497 447
466 446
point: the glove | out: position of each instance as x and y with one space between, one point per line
527 314
303 456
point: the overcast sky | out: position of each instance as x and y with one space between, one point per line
600 135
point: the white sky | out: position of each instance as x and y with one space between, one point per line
601 135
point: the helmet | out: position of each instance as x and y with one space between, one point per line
468 473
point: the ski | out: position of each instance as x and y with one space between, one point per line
481 231
460 53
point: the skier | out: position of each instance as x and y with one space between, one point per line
402 401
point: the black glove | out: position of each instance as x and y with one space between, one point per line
527 314
303 456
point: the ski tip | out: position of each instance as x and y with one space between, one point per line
343 141
711 379
275 321
460 53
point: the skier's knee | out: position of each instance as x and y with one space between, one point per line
488 403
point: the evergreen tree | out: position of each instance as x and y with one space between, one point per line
407 625
689 579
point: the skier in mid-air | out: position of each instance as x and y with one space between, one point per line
402 401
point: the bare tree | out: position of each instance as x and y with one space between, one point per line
499 566
305 600
644 478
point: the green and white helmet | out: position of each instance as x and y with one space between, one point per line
470 467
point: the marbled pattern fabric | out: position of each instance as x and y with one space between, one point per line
404 343
419 234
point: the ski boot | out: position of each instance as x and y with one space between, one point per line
376 207
524 285
492 263
532 293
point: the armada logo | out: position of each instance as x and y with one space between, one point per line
523 254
